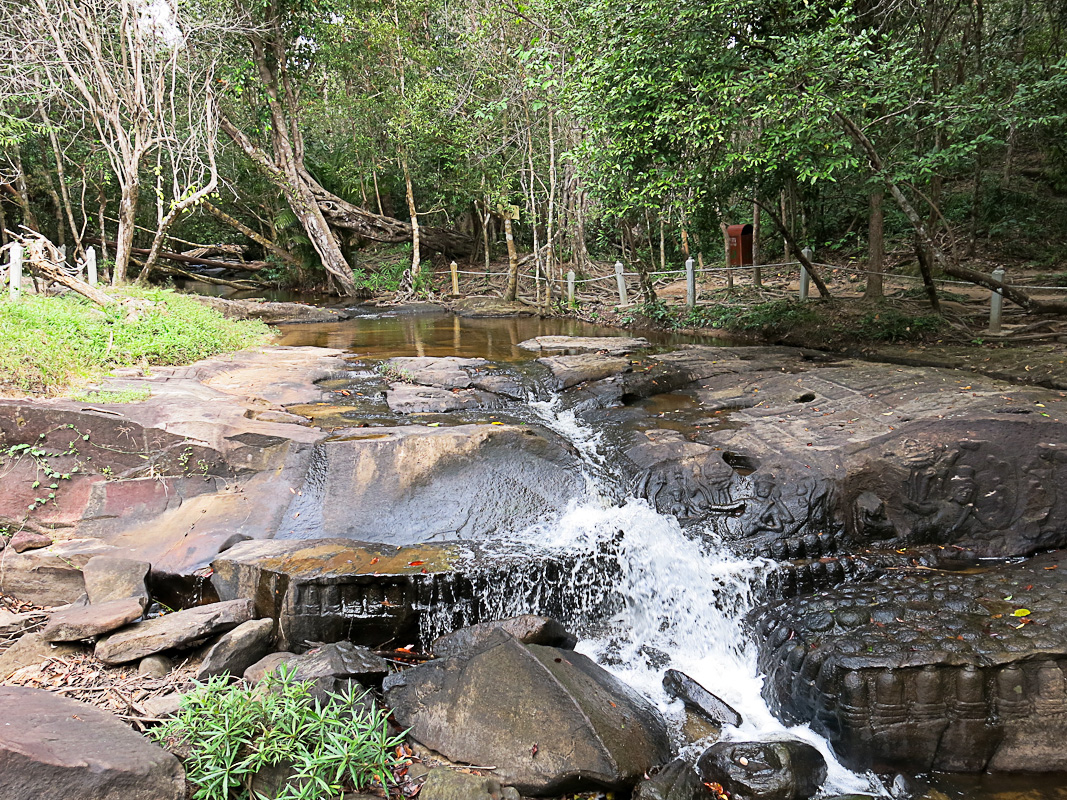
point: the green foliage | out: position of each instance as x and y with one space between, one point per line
49 343
777 315
890 325
233 730
132 395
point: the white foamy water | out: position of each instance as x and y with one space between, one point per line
676 601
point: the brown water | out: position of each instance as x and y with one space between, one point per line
430 331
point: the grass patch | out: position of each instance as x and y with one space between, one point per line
48 344
231 731
774 316
112 395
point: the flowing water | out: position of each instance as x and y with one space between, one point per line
664 597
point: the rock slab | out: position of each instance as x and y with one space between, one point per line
173 631
237 650
86 622
55 748
699 699
549 720
110 578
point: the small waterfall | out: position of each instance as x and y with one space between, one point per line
668 599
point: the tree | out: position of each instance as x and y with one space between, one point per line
124 66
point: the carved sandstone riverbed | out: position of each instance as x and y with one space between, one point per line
786 453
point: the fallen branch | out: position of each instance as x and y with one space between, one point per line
246 266
44 258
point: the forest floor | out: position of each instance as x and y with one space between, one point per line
900 328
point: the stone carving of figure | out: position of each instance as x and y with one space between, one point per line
765 512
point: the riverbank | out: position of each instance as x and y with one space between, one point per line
54 345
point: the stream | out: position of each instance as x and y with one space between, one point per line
677 597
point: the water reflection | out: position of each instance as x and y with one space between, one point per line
430 331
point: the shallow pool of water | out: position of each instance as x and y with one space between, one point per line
429 331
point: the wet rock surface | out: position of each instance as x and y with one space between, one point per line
549 720
699 699
57 749
927 670
609 345
773 769
330 590
793 455
418 484
675 781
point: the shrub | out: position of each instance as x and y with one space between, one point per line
777 315
890 325
232 731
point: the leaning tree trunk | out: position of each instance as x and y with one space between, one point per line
1008 291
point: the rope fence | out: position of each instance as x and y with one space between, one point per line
690 273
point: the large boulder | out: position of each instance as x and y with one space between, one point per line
527 628
549 720
329 590
788 454
779 768
54 748
237 650
332 590
675 781
111 578
173 631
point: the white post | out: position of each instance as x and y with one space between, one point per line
690 283
805 278
621 281
90 266
455 278
996 303
570 288
14 271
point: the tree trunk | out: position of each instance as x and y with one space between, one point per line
726 253
787 235
269 246
409 194
513 262
124 237
298 188
757 273
1008 291
875 246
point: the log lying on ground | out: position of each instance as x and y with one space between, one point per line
245 266
44 258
